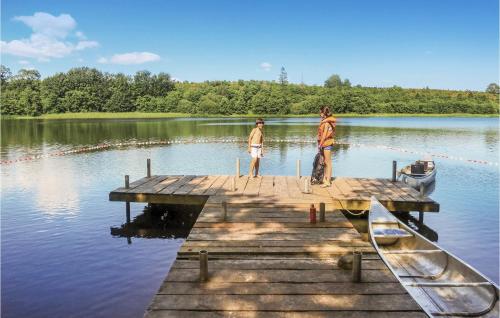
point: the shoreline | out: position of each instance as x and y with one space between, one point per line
138 115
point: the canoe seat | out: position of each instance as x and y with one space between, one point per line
391 233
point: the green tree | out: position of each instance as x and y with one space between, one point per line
333 81
283 78
493 88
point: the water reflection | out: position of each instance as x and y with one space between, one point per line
160 221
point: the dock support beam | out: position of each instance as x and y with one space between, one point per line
322 212
421 217
127 211
148 164
203 266
394 169
238 167
356 266
298 168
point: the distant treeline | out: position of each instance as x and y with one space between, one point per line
90 90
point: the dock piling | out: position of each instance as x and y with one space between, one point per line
394 169
148 164
127 211
298 168
203 265
127 181
238 167
322 212
356 266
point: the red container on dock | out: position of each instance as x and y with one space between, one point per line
312 214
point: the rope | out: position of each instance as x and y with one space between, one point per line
349 211
105 146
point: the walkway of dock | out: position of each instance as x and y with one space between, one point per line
265 257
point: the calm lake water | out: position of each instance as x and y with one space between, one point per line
59 258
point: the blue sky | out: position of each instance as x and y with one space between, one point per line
448 44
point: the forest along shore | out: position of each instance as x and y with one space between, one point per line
88 90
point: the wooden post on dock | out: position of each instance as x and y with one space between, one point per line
203 265
298 168
394 169
238 167
148 164
127 204
127 180
322 212
356 266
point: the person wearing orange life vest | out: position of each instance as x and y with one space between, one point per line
326 132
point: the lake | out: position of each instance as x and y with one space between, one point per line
59 257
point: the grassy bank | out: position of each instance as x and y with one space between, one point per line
138 115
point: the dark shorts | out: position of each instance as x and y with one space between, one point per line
328 148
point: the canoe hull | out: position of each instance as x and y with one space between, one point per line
452 285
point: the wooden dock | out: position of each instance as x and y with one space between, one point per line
265 257
345 193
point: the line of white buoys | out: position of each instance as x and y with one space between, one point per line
188 141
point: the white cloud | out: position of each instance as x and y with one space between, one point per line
265 66
80 35
82 45
24 62
130 58
48 38
45 23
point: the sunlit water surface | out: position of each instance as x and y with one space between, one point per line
59 258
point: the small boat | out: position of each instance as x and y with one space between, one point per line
419 172
441 283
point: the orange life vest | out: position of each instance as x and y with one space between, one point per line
327 123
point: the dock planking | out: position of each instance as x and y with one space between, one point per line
345 193
265 258
268 261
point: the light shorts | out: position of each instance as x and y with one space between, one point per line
256 151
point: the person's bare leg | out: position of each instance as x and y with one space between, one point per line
257 165
252 166
328 167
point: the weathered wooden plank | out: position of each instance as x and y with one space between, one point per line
165 183
266 188
286 302
253 186
173 187
310 250
273 225
274 264
283 314
216 185
348 288
358 242
203 185
147 187
190 185
273 230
